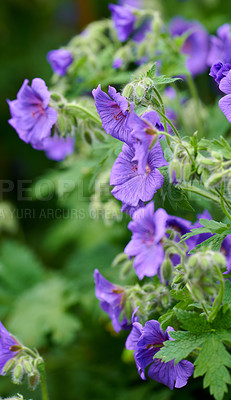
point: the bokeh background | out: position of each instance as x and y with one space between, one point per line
84 360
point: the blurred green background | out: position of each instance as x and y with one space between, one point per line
48 263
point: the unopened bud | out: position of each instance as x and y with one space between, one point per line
166 270
126 267
175 167
88 137
127 92
140 91
148 82
197 293
121 257
215 179
219 259
56 97
33 380
17 373
178 279
9 365
217 155
61 123
187 170
165 300
28 367
192 261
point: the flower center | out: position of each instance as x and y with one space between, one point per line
117 116
147 169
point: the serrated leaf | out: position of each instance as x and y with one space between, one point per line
192 321
213 226
227 294
175 195
164 80
194 232
221 146
182 345
213 242
152 71
212 362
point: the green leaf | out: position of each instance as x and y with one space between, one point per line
19 267
175 195
182 345
221 146
213 226
192 321
213 242
212 362
43 311
164 80
227 294
152 71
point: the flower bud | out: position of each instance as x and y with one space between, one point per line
166 270
18 373
127 92
28 366
214 179
56 97
187 170
121 257
61 123
140 91
9 365
175 167
33 380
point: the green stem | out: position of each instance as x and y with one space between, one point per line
171 124
44 388
201 192
193 90
204 308
81 108
219 299
222 200
163 111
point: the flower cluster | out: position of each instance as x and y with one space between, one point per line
134 175
33 119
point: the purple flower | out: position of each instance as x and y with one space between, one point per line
143 132
147 341
130 186
113 112
124 21
226 244
32 118
220 46
226 251
131 3
218 71
225 102
180 227
196 44
57 148
140 33
9 347
130 210
60 60
117 63
170 92
147 228
112 300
